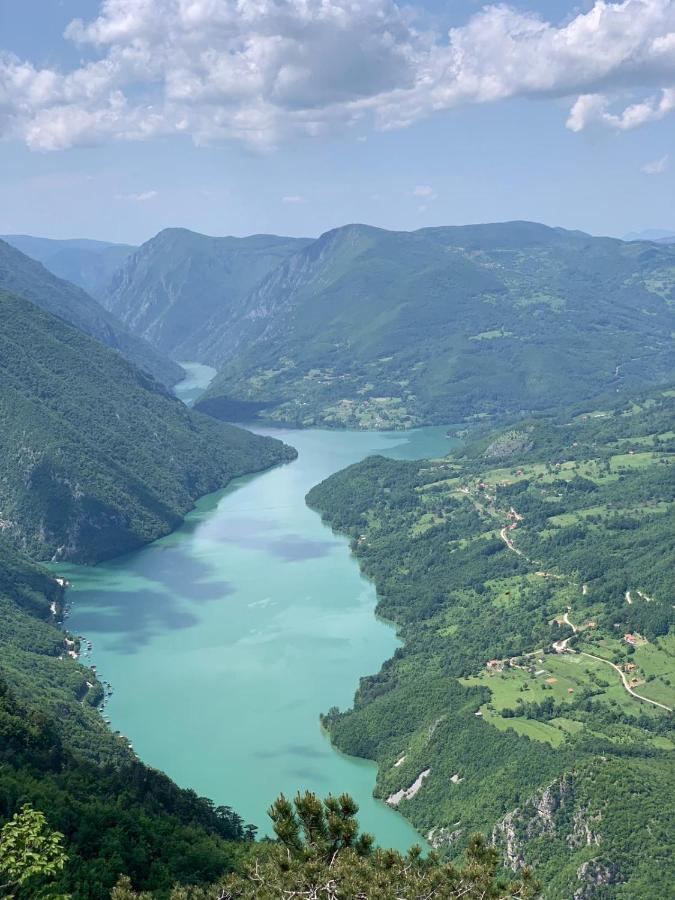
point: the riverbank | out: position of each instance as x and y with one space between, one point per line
226 639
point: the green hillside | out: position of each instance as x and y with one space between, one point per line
372 328
86 263
95 458
180 287
530 575
27 278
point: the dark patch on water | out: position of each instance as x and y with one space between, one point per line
254 534
177 571
136 616
293 750
293 548
133 618
307 774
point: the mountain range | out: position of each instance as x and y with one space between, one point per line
372 328
483 559
180 287
365 327
86 263
95 457
25 277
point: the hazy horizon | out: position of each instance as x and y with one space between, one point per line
648 234
121 117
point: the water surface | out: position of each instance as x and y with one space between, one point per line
197 378
225 640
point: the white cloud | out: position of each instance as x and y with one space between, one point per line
656 167
424 191
141 197
261 70
592 108
292 199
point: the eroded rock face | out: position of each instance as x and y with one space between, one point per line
593 874
509 444
537 816
444 835
582 834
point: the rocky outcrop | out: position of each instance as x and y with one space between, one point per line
508 444
444 835
408 793
582 834
593 874
536 817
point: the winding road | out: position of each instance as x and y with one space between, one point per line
623 680
561 646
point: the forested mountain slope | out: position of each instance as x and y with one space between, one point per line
530 574
86 263
372 328
95 457
27 278
179 286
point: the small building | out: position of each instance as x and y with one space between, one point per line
496 665
630 639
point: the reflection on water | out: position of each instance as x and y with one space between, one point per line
225 640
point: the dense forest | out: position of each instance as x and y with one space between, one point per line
530 575
95 457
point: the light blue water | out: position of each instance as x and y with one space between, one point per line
225 640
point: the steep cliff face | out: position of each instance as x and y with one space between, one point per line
181 288
538 816
588 842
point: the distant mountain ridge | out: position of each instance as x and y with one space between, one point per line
22 275
658 235
364 327
86 263
180 285
371 328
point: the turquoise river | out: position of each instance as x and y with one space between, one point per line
225 640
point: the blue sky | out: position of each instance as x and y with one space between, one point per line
294 116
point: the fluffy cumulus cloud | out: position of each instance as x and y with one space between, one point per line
260 70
